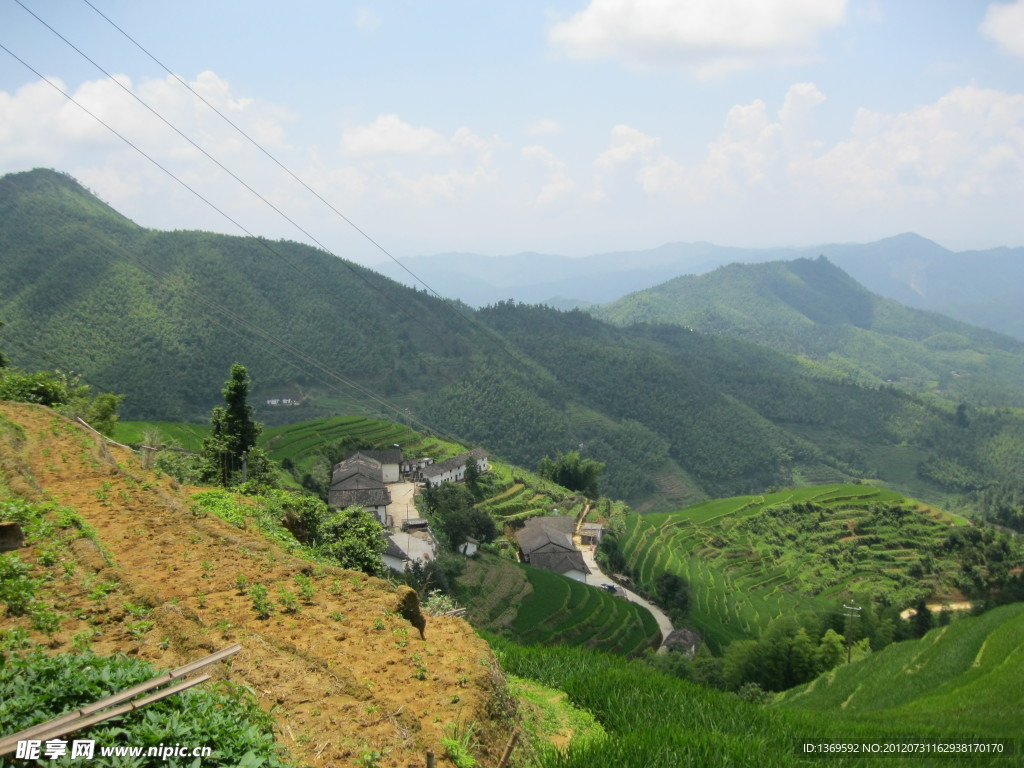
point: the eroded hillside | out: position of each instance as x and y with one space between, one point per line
344 676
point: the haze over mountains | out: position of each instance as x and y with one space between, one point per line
677 415
984 288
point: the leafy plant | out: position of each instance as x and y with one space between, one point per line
261 600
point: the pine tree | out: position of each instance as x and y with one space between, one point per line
230 451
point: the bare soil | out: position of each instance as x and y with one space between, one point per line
344 676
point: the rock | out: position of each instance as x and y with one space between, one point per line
409 608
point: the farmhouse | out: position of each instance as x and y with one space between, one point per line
360 480
454 469
546 542
390 461
591 533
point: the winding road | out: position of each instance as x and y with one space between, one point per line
597 577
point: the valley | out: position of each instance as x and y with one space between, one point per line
798 474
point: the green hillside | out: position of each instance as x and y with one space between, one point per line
676 416
656 721
752 559
970 672
813 309
531 606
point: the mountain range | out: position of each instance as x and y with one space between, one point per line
984 287
676 413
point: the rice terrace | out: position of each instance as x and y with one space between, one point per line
751 559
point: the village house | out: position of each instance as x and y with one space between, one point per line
360 480
390 461
591 533
454 469
546 542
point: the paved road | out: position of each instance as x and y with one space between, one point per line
597 578
401 503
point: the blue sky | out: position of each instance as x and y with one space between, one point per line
561 127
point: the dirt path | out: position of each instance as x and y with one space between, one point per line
343 675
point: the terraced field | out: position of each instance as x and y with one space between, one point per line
750 559
299 442
969 673
531 606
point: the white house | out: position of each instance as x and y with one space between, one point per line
454 469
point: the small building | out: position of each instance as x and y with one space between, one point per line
454 469
546 542
591 533
412 469
469 547
394 556
359 480
390 461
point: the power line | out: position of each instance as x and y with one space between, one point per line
502 344
263 150
471 321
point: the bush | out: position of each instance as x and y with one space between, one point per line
35 688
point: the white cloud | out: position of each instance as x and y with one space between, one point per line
968 144
559 183
705 37
388 135
366 20
544 127
627 143
1004 23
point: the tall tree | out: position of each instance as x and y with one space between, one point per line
572 472
230 451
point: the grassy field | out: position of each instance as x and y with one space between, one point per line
532 606
299 442
970 672
652 720
750 559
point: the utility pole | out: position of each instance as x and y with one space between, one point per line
852 612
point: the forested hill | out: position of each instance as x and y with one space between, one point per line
160 316
812 308
676 415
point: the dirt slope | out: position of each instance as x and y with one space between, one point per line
345 676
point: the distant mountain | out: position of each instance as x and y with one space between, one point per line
813 309
984 288
675 415
560 281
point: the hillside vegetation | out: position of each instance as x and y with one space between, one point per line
119 560
966 673
813 309
676 416
750 560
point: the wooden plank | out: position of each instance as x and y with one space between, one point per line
9 743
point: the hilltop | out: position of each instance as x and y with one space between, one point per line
813 309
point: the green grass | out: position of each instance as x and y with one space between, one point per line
552 609
188 436
751 559
970 672
656 721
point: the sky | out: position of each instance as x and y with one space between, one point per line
566 127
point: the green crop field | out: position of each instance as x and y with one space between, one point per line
187 436
653 720
970 672
750 559
532 606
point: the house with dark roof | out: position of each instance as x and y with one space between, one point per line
454 469
546 542
360 480
390 461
